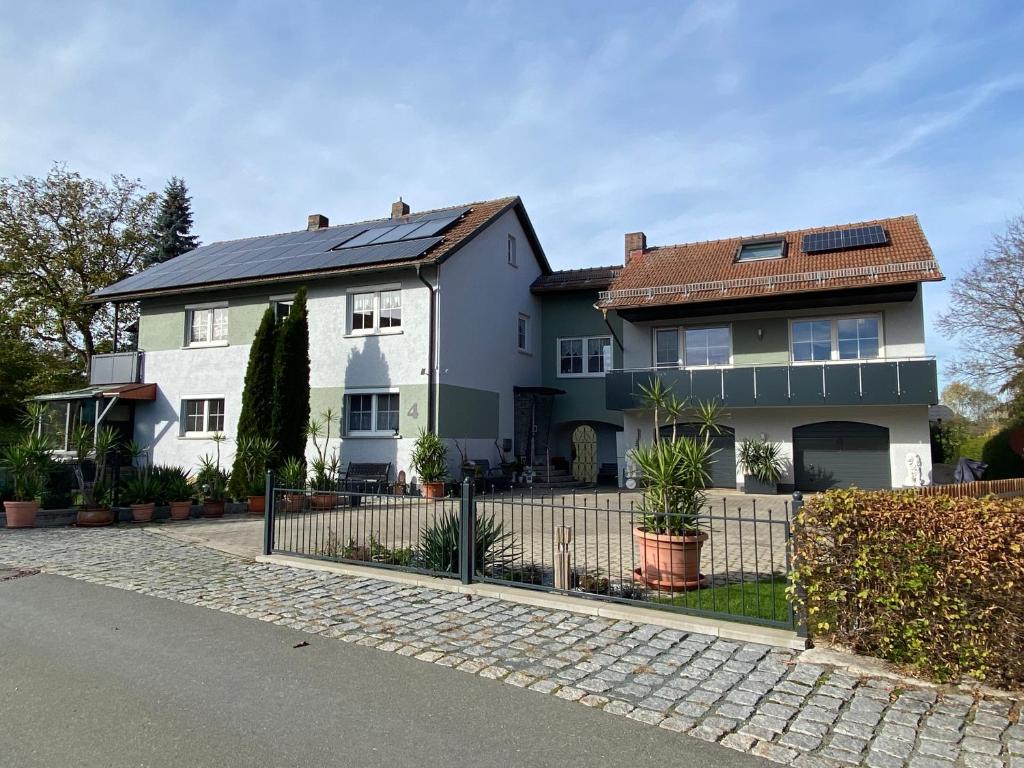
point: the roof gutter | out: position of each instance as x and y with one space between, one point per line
604 316
431 344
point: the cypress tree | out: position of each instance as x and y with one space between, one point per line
172 232
254 420
290 412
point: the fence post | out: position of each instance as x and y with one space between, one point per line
799 622
268 514
563 559
467 536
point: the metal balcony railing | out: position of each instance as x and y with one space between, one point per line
889 381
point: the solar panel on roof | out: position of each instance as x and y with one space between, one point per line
435 226
842 239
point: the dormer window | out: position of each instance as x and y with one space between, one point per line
759 250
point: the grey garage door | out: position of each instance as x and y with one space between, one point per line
723 465
838 454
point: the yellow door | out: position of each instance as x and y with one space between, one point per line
584 454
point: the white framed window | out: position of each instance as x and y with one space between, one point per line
839 338
375 310
699 347
523 333
372 414
206 325
584 356
513 258
202 417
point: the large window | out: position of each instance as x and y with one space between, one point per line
372 414
584 356
207 325
374 311
845 338
707 346
203 416
692 347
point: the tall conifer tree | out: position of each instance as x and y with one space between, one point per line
254 420
290 412
172 234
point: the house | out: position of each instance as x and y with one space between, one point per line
452 320
814 339
417 321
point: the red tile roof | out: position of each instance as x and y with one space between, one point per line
587 278
708 271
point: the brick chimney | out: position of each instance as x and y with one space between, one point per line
399 209
636 243
316 221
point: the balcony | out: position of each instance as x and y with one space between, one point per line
903 381
116 368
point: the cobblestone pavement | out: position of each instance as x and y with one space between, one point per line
748 697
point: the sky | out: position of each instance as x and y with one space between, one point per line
688 121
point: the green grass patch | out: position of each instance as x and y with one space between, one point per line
763 599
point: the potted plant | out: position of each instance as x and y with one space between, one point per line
211 486
141 492
292 477
762 465
430 460
27 461
325 467
176 491
669 538
254 455
94 496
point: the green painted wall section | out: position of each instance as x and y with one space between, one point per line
322 398
413 399
772 347
466 412
573 314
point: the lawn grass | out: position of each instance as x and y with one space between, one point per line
762 599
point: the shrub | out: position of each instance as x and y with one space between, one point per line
930 582
429 457
971 448
1002 460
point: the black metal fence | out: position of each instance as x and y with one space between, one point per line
727 559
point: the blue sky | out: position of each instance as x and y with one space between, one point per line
688 121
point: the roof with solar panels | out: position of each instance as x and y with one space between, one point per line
882 252
406 239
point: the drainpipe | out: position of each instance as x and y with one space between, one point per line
604 316
431 344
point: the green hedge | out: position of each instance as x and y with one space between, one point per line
929 582
1002 460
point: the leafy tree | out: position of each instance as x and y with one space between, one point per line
290 413
986 312
172 234
254 420
62 238
977 407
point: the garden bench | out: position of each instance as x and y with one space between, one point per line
367 476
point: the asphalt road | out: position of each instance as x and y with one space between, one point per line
93 676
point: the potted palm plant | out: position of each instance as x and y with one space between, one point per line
323 478
176 491
292 477
141 491
94 496
669 538
430 460
27 462
211 486
762 465
255 454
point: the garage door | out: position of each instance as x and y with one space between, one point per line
838 454
723 465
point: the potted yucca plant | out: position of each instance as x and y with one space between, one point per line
176 491
27 462
97 495
254 454
292 477
323 478
141 492
762 465
430 460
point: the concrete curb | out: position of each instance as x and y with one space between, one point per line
727 630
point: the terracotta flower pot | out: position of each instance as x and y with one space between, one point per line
142 513
213 508
432 490
257 505
95 516
323 501
669 562
21 514
294 502
181 510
